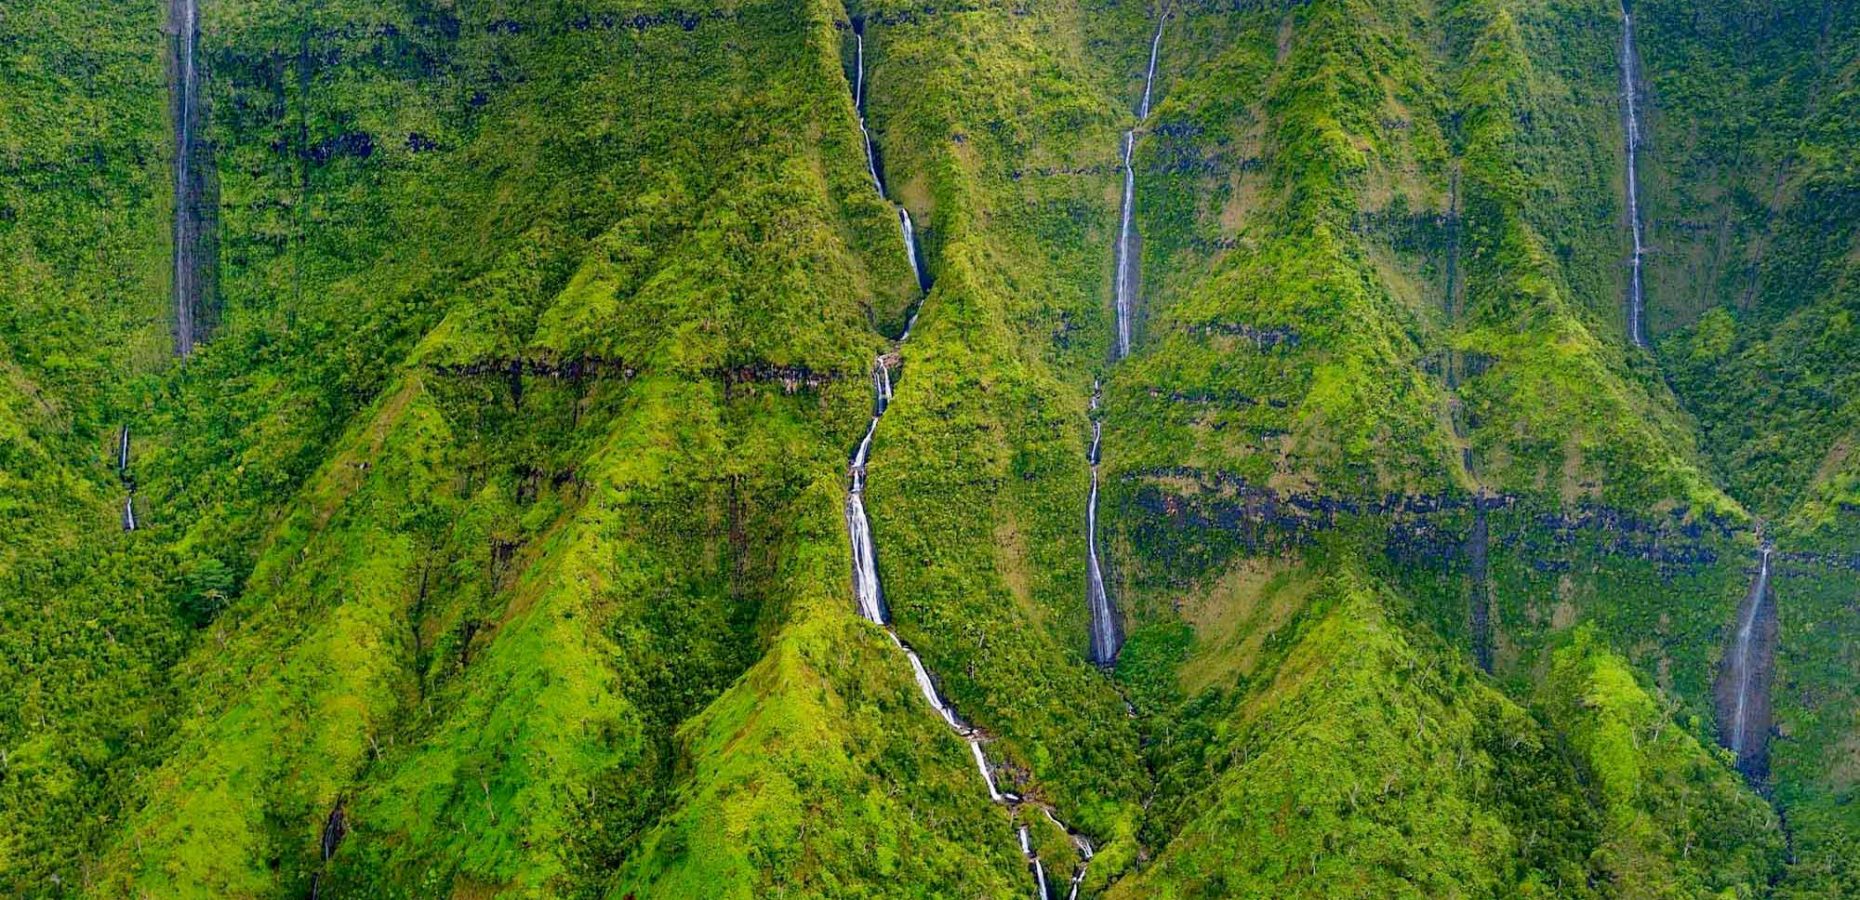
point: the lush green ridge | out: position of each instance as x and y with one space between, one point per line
493 543
86 635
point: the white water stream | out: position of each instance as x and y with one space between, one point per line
868 593
1637 330
1743 664
1106 636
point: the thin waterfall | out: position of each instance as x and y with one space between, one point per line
187 220
1105 641
1106 637
871 160
866 588
1745 684
881 386
1106 634
1125 287
122 474
910 248
1079 843
1637 331
1149 74
868 593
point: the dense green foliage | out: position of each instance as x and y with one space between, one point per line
492 543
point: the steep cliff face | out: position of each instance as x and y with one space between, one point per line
493 541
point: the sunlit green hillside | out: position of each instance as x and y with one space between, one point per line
498 536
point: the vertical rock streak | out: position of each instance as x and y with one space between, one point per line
1477 570
1629 90
187 221
868 593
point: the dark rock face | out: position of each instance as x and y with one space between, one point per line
792 379
571 369
354 144
1261 338
1189 532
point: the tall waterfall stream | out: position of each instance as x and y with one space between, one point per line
868 591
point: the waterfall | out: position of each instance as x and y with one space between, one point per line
927 686
1125 287
988 774
1104 642
1636 296
868 594
871 160
910 249
1106 636
881 387
186 200
866 589
1149 74
1084 849
334 828
122 473
865 565
1744 665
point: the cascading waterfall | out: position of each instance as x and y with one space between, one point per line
187 221
871 161
1743 689
881 385
866 589
868 594
1081 844
1106 635
1629 90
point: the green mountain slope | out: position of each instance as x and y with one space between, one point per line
494 539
